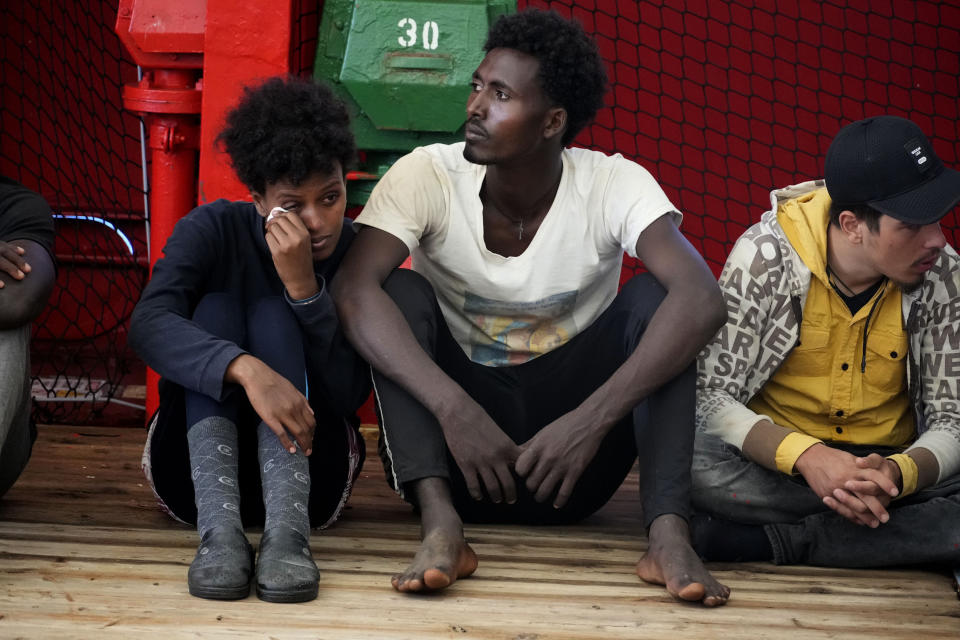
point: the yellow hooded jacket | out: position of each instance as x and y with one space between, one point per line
845 381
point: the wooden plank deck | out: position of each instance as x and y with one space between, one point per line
84 553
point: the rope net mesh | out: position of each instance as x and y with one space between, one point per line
65 135
725 101
721 101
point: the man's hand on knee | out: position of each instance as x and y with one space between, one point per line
557 456
484 453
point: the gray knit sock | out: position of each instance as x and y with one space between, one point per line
213 467
285 478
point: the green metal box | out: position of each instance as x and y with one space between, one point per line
404 69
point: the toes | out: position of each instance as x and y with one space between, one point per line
406 582
468 563
431 580
714 601
436 579
692 592
717 599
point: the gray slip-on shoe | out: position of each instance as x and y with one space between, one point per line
223 565
286 571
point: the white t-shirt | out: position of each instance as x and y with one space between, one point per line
508 310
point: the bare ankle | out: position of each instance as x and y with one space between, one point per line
437 512
668 529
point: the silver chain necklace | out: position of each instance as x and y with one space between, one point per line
519 221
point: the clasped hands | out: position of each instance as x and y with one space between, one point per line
551 461
859 489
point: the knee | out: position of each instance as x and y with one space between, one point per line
220 314
274 335
412 293
643 291
635 305
711 459
275 313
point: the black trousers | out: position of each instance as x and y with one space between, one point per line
268 330
523 399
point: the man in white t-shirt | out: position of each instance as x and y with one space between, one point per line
513 382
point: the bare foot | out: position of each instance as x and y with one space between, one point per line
444 554
671 561
441 560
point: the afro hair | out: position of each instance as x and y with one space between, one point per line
571 71
287 128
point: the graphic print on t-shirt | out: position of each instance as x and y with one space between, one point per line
507 332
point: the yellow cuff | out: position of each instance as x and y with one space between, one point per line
790 448
908 473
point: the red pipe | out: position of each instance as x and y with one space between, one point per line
173 176
169 102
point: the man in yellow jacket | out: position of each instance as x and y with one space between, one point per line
828 406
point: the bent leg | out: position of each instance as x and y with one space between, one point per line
923 529
800 529
274 337
212 434
285 571
411 441
735 497
414 451
17 433
223 564
665 442
444 555
664 432
727 485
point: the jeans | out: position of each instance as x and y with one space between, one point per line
924 527
17 432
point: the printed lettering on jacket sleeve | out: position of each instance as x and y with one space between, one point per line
940 360
729 361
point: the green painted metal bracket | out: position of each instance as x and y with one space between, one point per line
403 67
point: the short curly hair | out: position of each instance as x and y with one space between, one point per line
287 128
571 71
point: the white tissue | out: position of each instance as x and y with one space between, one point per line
275 212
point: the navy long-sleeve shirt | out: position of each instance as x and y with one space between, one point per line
220 247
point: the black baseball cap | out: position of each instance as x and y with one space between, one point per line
886 162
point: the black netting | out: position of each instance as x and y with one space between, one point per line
66 136
722 101
303 41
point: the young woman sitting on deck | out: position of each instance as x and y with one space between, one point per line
256 373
